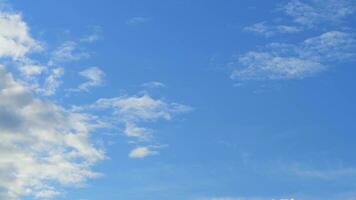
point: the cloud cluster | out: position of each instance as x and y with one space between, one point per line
296 60
44 146
41 143
131 111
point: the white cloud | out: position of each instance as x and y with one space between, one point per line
15 39
32 70
288 61
131 111
68 51
132 130
335 42
141 108
142 152
44 146
94 76
41 144
154 84
269 30
52 82
319 11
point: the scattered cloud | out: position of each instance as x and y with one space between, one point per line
134 111
67 52
142 152
263 29
287 61
31 70
324 174
332 43
94 76
43 145
154 84
316 12
94 36
134 21
52 82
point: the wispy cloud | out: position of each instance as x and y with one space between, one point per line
134 21
297 60
67 52
94 77
324 174
142 152
131 111
154 84
268 30
95 35
316 12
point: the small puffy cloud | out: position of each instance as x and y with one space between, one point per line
142 152
15 39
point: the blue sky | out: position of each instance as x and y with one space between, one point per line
178 100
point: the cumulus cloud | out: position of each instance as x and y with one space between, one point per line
15 39
41 143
